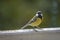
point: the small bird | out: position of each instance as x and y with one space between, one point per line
35 21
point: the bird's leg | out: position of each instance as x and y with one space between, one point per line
35 29
38 27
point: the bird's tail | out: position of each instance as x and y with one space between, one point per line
24 26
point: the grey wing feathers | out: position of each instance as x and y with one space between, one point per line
32 20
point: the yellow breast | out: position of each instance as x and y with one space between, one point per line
37 22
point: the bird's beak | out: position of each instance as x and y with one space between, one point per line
41 14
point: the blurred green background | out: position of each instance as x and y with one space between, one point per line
16 13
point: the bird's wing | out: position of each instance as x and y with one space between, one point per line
33 19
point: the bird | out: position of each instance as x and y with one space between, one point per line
35 21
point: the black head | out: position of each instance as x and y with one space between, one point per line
39 14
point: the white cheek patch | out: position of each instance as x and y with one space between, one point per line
36 14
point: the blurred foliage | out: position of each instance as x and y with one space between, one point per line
16 13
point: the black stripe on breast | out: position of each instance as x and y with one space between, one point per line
40 16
